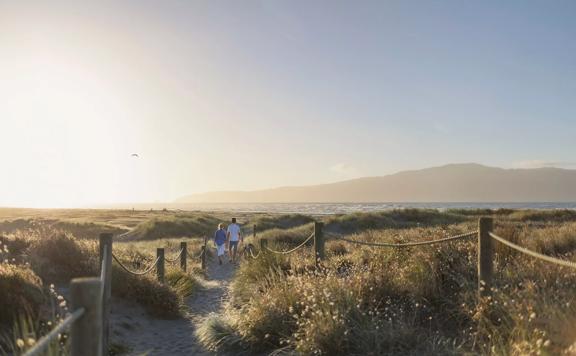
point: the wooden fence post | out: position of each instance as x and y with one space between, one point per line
106 245
183 255
160 265
254 232
86 332
203 257
318 243
204 252
485 256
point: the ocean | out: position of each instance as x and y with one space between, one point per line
346 208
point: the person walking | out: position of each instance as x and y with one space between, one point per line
234 236
220 242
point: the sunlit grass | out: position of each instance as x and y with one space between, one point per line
420 300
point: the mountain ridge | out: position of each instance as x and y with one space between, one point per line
466 182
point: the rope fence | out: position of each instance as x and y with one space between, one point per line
291 250
88 321
485 250
528 252
42 344
406 244
146 270
175 259
90 297
251 250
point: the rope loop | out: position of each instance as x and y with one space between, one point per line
177 258
251 250
146 271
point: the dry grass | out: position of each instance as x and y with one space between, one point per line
410 301
39 255
363 301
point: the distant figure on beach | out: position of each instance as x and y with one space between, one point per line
234 237
220 242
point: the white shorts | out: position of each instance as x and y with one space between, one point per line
221 249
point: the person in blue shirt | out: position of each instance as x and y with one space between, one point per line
220 241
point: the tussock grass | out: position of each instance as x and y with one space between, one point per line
176 226
20 292
285 221
217 334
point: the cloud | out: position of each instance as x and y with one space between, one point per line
538 163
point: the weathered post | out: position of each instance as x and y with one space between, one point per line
254 232
183 255
86 332
160 264
106 276
318 243
204 252
485 258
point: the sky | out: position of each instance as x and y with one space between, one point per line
242 95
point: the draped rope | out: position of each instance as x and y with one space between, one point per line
292 250
407 244
177 258
146 271
528 252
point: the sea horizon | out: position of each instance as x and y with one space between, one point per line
342 208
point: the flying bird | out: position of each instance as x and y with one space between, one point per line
135 155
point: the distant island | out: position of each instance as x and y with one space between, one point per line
451 183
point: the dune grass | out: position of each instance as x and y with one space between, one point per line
362 301
410 301
33 260
176 226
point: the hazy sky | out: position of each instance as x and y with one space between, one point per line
252 94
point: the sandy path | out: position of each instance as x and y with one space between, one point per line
144 335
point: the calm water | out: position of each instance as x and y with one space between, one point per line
343 208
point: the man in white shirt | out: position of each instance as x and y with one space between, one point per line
234 237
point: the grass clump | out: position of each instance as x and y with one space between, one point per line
20 293
184 284
158 299
288 237
216 333
59 257
176 226
285 221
